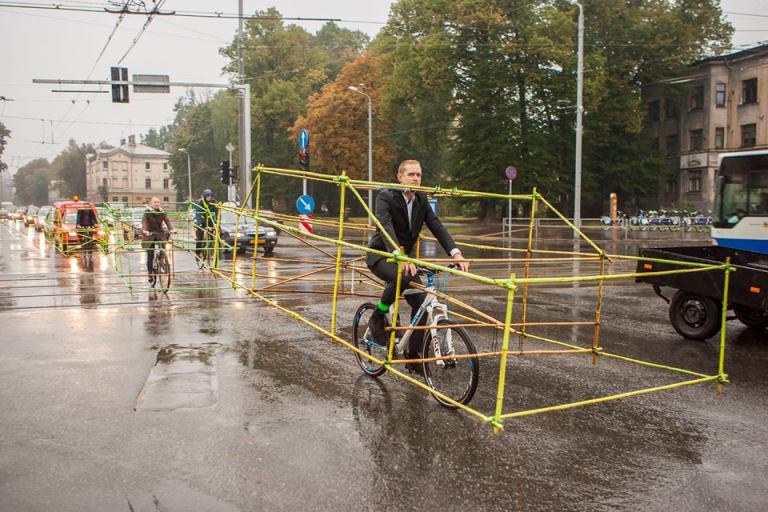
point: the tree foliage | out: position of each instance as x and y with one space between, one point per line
68 168
31 182
5 133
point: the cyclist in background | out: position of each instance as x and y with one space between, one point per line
206 212
152 226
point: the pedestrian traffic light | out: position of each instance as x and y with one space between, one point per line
225 176
304 159
119 91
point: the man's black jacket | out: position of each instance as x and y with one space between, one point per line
392 212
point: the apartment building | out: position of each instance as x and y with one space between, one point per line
130 174
720 107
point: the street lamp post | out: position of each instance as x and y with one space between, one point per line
370 145
189 172
579 113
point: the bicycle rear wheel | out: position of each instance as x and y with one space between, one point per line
363 340
163 271
455 378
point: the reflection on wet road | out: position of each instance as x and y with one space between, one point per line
118 399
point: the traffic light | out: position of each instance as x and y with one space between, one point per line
225 172
304 159
119 92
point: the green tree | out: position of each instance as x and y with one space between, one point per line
5 134
203 128
31 182
157 138
69 168
285 64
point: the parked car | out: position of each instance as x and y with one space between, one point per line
18 213
4 213
29 217
130 221
40 217
246 233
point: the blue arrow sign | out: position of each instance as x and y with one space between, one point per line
305 205
303 138
511 172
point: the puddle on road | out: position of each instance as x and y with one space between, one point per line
184 377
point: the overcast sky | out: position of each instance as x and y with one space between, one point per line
57 44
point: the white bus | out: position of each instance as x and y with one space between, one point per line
741 201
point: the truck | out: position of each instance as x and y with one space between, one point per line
740 236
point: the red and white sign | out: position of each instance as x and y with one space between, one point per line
305 223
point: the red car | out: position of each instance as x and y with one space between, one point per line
66 233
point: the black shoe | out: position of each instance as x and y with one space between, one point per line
412 367
151 279
377 325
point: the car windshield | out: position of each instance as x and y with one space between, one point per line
230 217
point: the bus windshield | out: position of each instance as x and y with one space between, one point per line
742 189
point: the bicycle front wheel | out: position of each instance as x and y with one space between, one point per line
363 340
456 377
163 271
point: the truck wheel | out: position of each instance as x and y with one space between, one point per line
754 318
693 316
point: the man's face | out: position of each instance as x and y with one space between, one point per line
208 199
154 204
410 175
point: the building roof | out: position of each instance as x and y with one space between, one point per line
133 150
741 54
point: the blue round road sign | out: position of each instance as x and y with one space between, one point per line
303 138
305 205
511 172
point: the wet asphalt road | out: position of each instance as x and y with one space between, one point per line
204 400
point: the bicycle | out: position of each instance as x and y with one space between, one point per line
447 362
204 247
87 241
161 265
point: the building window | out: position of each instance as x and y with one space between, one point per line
720 95
671 111
697 139
672 186
694 181
653 110
165 166
105 165
125 182
748 135
147 166
749 91
165 183
114 182
697 98
165 199
148 183
673 144
115 199
719 137
125 199
104 182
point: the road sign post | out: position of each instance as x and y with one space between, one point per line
304 156
510 173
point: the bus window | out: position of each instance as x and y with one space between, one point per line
733 195
758 194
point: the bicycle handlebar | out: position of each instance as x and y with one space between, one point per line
424 271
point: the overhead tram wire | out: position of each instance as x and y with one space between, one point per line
150 16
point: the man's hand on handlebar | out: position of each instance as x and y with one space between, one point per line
462 263
410 269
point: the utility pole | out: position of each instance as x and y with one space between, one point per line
579 126
244 114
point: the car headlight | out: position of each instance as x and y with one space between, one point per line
72 233
271 232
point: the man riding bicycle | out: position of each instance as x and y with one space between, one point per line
206 212
152 226
403 213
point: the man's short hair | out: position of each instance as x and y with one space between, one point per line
406 163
